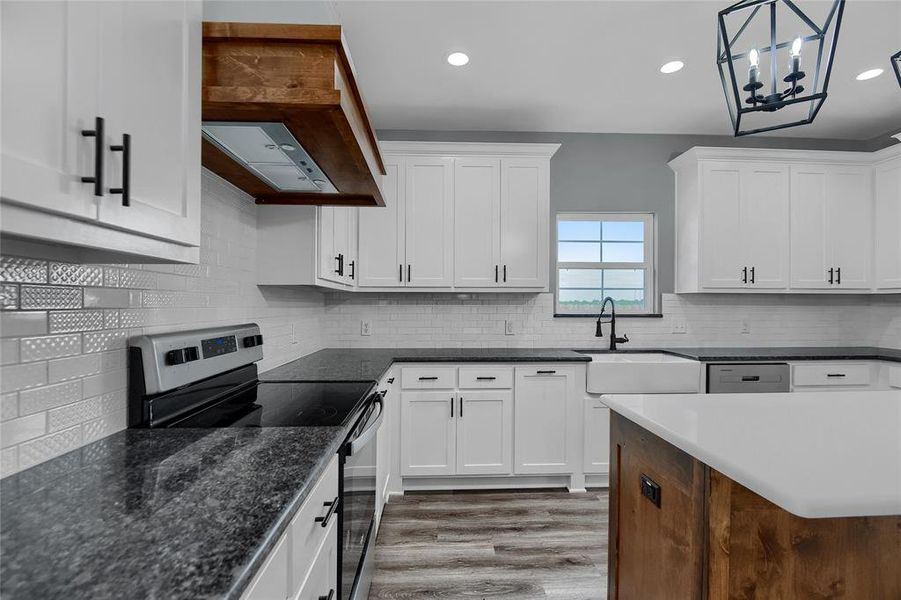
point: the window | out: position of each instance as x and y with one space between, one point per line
605 254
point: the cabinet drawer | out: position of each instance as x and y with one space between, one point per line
894 376
486 377
307 533
322 581
428 378
832 374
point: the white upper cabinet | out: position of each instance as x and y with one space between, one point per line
337 248
744 225
888 224
381 237
429 224
477 219
831 227
786 221
150 91
136 66
524 219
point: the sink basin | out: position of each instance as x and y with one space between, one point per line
643 373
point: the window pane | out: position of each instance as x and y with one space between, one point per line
579 252
627 299
624 278
579 230
580 278
623 252
580 301
623 231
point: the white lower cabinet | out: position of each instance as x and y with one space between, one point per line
545 424
484 432
304 563
596 436
428 433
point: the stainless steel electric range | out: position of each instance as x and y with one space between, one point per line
207 378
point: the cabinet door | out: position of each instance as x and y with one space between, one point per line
888 225
477 191
150 89
271 581
343 218
429 221
524 222
809 229
722 257
428 433
765 224
485 432
327 221
596 436
542 434
50 67
850 225
381 238
322 582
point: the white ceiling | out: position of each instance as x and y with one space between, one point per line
589 66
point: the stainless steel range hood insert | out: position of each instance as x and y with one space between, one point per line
271 153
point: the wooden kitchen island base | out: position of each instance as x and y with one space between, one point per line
711 538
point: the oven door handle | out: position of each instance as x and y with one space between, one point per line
367 434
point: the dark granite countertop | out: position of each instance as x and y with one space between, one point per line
174 513
369 364
787 353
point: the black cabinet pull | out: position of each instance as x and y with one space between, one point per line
461 407
400 273
353 268
391 380
495 273
838 275
332 509
744 275
428 379
545 372
835 374
485 378
97 134
505 273
125 149
452 407
750 378
331 594
752 274
830 271
340 269
409 271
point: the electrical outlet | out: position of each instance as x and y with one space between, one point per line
679 326
293 333
745 326
508 328
365 327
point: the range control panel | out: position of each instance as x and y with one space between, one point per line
171 360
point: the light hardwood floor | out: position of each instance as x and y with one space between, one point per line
518 545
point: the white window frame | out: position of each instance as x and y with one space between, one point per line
649 264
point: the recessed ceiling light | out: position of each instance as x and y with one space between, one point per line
869 74
457 59
672 66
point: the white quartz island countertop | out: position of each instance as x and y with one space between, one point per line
829 454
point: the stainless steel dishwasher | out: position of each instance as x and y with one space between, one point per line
741 378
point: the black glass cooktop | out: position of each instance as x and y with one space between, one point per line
283 405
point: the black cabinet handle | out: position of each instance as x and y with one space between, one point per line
485 378
125 149
409 271
835 374
391 380
505 273
545 372
750 378
495 273
340 269
452 407
752 273
97 134
838 275
428 379
461 407
332 509
830 271
331 594
353 268
744 275
400 273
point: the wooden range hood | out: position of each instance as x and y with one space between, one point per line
299 76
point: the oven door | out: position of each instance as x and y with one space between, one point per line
358 493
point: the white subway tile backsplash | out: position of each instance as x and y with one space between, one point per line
46 447
9 351
22 270
51 396
45 296
17 324
105 298
71 274
9 406
104 382
64 321
20 430
75 367
22 376
73 414
9 296
100 341
51 346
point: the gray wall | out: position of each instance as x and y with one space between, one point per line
622 172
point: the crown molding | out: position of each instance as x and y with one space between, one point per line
468 149
699 153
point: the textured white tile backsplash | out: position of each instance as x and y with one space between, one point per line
64 328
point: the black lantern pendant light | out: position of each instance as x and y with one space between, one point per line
749 39
896 65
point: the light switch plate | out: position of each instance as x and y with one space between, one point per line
679 326
745 326
365 327
508 328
